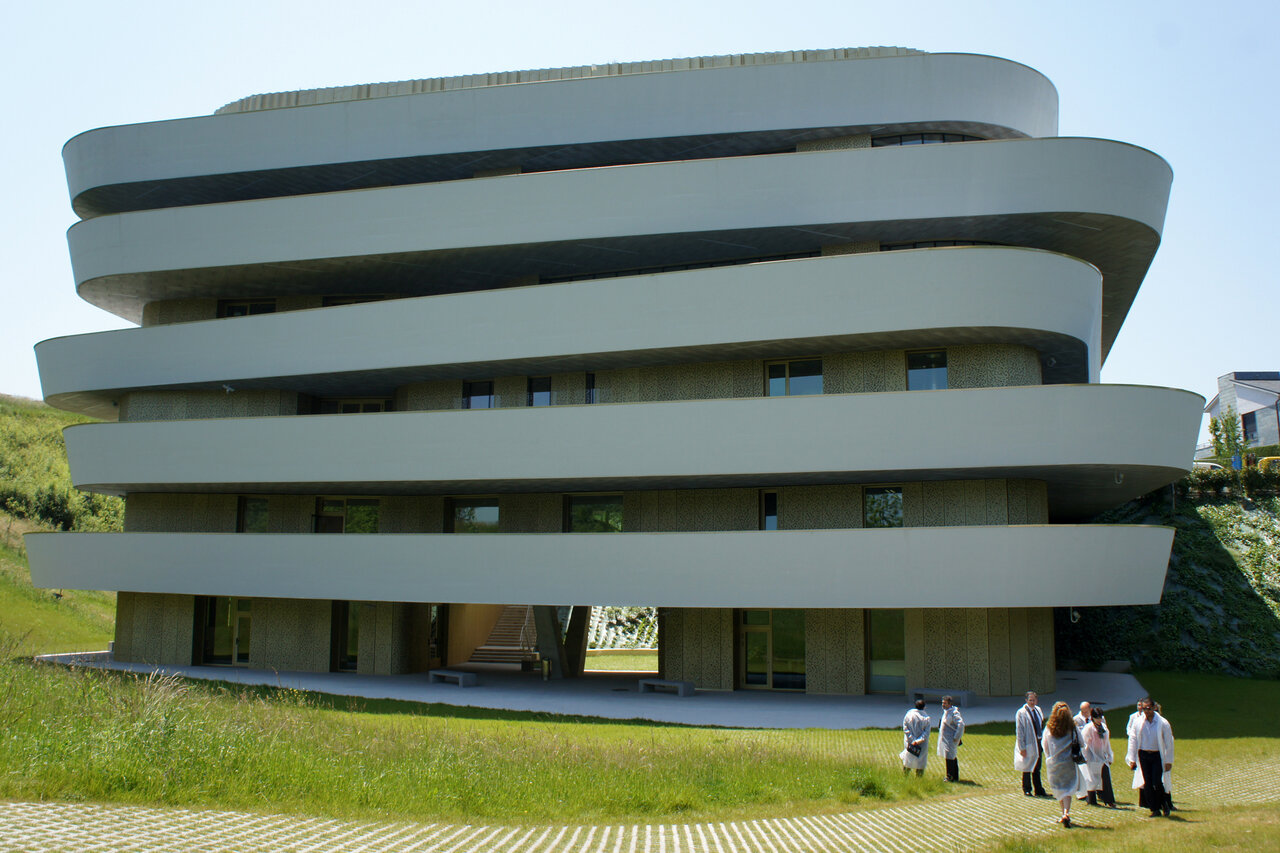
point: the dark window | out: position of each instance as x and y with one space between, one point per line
1249 426
245 307
251 515
921 139
933 244
539 391
792 378
882 506
768 510
474 516
351 405
886 651
345 641
346 515
593 514
477 395
591 388
927 371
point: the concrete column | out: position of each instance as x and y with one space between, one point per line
575 641
550 646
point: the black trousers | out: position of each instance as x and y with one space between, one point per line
1152 795
1034 776
1108 794
953 769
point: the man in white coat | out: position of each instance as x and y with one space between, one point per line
916 726
1081 720
1028 751
950 732
1150 757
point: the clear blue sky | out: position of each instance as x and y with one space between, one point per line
1194 82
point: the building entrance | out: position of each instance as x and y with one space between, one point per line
886 651
226 630
771 649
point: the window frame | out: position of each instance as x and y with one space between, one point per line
787 362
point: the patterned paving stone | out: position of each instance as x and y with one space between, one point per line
958 823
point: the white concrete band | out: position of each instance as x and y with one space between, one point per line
978 294
1018 566
994 94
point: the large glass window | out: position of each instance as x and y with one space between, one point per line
475 516
251 515
477 395
346 515
539 391
927 371
882 506
1249 427
225 626
772 649
886 651
792 378
593 514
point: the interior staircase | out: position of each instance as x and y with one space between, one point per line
512 639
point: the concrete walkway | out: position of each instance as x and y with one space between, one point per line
616 696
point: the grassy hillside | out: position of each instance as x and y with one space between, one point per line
34 483
1220 611
36 494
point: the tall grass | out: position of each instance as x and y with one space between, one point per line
34 481
89 735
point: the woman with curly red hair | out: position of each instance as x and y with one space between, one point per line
1059 735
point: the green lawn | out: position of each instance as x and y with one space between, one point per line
35 621
646 662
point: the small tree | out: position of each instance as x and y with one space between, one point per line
1225 433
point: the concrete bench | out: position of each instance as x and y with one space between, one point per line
462 679
651 685
962 698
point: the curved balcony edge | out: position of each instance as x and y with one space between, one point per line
993 95
875 300
1098 443
460 235
1020 566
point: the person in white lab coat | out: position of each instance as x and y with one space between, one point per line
1027 749
950 733
1064 777
1098 758
1150 757
916 726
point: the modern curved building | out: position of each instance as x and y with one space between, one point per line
801 348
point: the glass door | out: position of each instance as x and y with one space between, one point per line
345 646
227 631
773 649
886 651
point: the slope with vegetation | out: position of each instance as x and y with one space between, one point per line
1220 611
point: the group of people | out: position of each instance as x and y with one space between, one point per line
1074 752
916 727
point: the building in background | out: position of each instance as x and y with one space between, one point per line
1254 396
801 348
